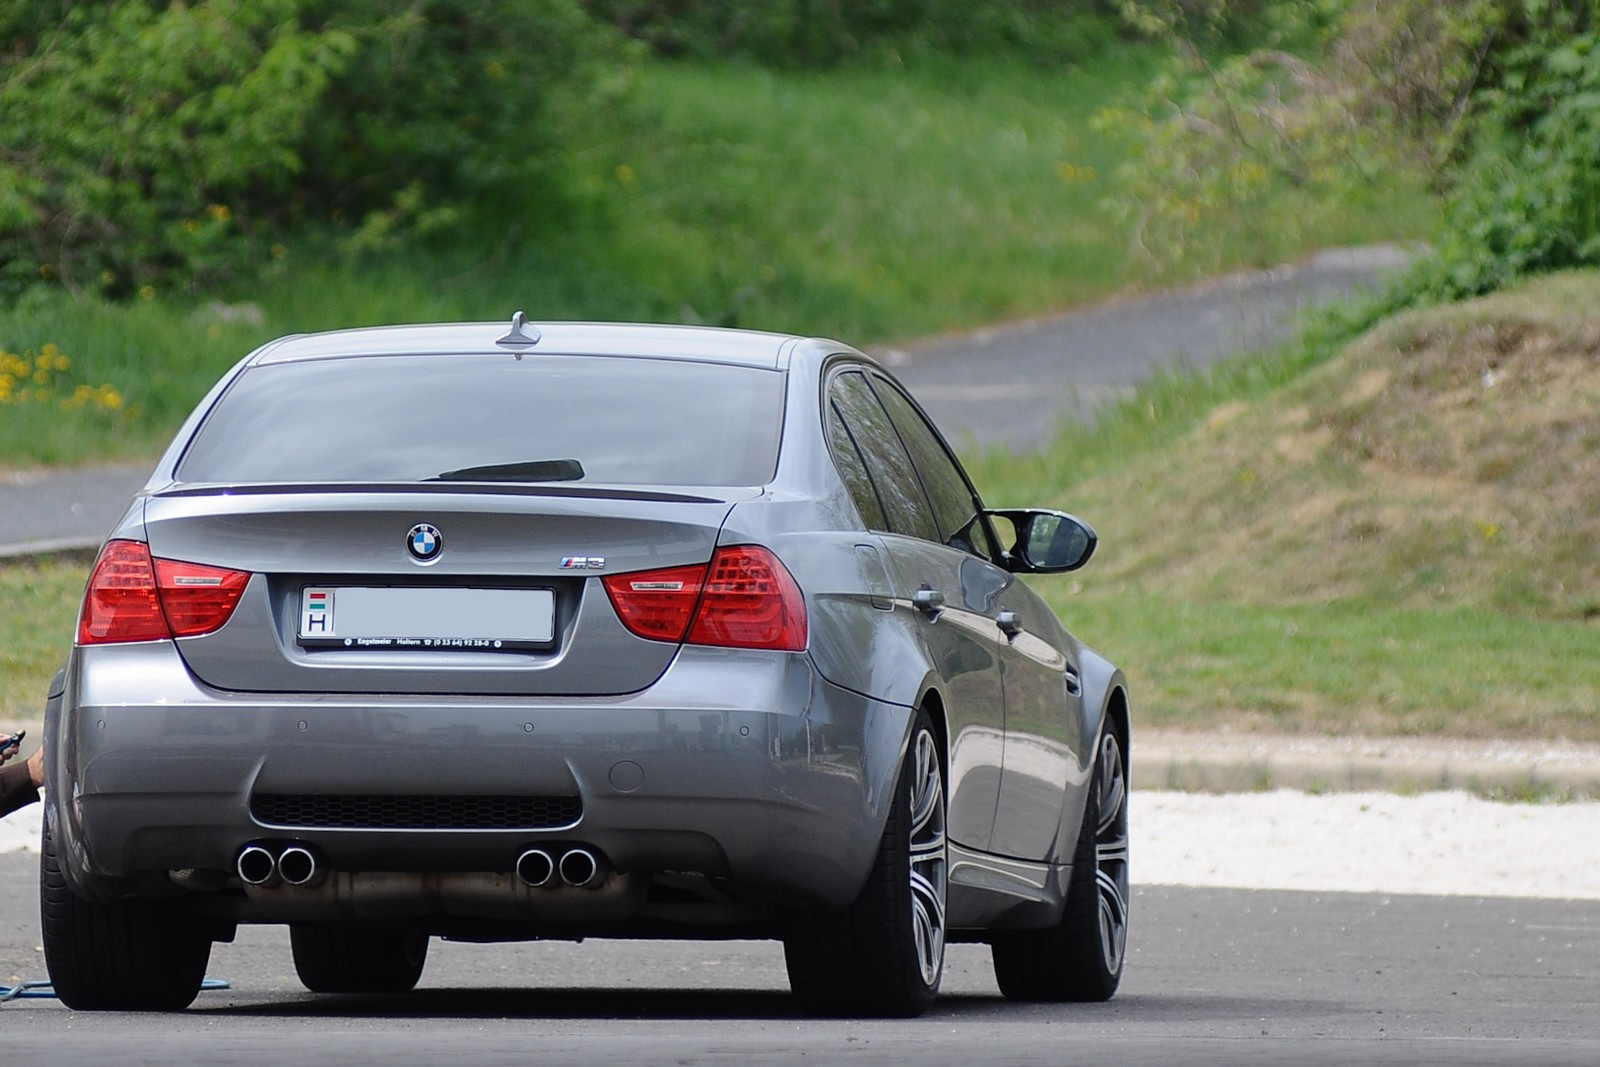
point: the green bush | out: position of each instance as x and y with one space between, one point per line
1527 196
1492 105
147 145
820 32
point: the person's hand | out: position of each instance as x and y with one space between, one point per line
8 751
36 767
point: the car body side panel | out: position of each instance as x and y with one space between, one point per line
900 653
897 655
963 647
1045 743
1102 685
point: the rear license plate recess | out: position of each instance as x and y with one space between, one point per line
430 618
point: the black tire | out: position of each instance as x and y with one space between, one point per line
358 959
126 955
1081 959
884 954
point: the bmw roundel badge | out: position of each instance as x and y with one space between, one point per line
424 542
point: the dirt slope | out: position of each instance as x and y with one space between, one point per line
1449 457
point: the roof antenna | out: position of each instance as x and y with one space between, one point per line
521 333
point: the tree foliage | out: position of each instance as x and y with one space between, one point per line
1496 103
1526 192
819 32
150 144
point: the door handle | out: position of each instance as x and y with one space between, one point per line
1010 623
928 601
1074 687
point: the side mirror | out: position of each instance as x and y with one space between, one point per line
1048 542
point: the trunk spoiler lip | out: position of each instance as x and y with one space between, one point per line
448 489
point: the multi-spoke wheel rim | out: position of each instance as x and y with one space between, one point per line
929 876
1111 850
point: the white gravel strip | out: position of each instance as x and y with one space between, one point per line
1451 844
1433 843
19 831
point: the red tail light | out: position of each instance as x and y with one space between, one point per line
744 599
121 603
750 601
132 597
656 604
198 599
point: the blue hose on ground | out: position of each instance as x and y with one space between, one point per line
44 990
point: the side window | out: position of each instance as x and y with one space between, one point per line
853 469
905 507
955 509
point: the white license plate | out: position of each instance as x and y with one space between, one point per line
390 617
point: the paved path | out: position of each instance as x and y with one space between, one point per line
1012 385
57 510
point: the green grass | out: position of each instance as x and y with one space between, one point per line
1379 537
1341 668
867 203
40 606
1309 630
879 204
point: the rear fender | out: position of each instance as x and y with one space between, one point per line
1102 684
67 845
1104 687
858 637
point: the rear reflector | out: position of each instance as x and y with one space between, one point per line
132 597
744 599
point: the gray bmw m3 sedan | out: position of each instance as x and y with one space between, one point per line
560 631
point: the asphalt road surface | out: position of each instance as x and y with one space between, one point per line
1011 385
1215 976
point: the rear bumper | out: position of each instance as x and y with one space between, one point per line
745 766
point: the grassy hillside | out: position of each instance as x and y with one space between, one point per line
862 203
1400 540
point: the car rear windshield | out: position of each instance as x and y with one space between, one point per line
627 421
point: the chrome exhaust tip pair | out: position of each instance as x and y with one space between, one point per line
577 867
258 864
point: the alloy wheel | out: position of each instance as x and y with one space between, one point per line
1111 850
929 860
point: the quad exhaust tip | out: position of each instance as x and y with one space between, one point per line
535 867
256 865
298 865
579 867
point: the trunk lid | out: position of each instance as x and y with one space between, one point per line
524 559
